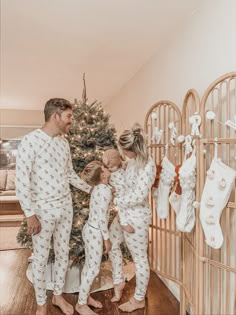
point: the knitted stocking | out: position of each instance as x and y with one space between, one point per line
186 217
165 183
175 197
156 182
217 189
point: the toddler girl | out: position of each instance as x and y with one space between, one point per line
95 233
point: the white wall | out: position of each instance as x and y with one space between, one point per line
204 50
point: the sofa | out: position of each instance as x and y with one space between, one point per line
9 203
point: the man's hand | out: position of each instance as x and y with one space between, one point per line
34 226
108 245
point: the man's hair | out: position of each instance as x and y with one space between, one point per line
92 173
56 105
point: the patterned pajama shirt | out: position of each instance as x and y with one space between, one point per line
94 232
43 174
117 180
135 201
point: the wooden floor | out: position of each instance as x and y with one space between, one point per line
17 294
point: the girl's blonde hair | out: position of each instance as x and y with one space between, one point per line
133 140
92 173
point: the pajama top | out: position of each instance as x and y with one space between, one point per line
138 183
117 180
98 209
43 173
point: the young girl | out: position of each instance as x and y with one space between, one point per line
112 160
95 233
139 178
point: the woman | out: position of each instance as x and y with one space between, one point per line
139 178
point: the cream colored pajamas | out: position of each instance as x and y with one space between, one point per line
117 180
43 174
94 232
138 184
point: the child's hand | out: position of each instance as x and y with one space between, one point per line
108 245
113 194
128 228
113 191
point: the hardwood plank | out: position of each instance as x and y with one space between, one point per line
17 294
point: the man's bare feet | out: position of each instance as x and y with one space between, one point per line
128 228
94 303
59 301
84 310
132 305
118 289
41 309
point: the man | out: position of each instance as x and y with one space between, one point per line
43 174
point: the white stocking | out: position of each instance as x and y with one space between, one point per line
163 191
186 217
175 197
175 201
217 189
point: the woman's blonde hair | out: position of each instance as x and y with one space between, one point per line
92 173
133 140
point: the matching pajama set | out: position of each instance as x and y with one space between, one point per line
94 232
138 183
43 173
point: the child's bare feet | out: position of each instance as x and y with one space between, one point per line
84 309
94 303
59 301
41 309
132 305
128 228
118 289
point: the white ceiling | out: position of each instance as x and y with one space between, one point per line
46 45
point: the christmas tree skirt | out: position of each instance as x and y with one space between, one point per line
102 282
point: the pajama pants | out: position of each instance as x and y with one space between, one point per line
93 255
137 244
56 223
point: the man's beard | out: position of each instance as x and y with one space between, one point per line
65 129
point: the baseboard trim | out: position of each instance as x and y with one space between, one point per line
172 286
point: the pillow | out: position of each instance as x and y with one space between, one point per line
3 179
11 180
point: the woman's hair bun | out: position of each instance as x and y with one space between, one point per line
137 129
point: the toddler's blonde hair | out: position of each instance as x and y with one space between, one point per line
111 155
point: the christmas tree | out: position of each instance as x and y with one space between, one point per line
90 135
